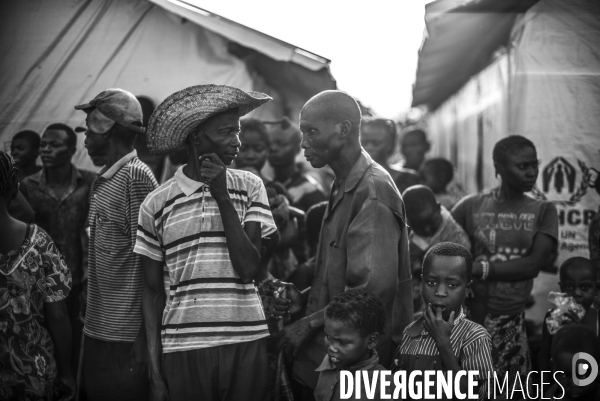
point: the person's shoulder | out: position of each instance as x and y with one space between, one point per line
535 202
473 331
139 171
33 179
87 175
243 179
161 194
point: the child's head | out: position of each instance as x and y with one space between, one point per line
423 211
25 147
378 137
578 279
255 144
568 341
437 173
447 271
354 320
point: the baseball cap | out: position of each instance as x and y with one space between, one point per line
113 106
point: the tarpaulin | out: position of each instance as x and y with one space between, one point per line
546 86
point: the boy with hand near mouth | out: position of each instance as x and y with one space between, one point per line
354 321
443 339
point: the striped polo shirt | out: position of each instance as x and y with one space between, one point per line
116 280
470 342
180 224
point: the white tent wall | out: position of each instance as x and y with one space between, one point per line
56 54
547 88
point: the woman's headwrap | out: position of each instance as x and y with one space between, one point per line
8 169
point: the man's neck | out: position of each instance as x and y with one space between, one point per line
116 152
284 173
28 169
60 175
344 163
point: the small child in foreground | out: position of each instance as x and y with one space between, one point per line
354 321
578 279
443 339
567 342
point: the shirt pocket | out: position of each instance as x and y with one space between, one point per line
110 233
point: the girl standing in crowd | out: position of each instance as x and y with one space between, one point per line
378 136
35 344
513 236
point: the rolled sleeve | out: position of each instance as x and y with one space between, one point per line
147 241
259 210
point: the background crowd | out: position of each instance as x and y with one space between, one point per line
73 243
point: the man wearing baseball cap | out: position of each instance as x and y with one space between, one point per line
206 339
114 341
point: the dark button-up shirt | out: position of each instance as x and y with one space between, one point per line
62 218
363 244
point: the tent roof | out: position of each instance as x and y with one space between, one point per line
243 35
460 40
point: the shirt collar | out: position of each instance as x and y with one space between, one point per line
186 184
358 170
41 179
109 172
367 364
418 328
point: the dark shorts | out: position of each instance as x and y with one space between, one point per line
107 372
229 372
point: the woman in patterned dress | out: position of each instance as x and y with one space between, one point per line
35 332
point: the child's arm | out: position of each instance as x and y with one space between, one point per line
544 354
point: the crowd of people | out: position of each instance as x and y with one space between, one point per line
226 283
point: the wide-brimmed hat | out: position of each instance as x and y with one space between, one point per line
184 111
113 106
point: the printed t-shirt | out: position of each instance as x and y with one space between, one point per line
116 280
501 231
304 190
208 304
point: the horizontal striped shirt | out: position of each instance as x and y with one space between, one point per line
116 280
180 224
470 342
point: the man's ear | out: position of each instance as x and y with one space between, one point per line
373 340
344 127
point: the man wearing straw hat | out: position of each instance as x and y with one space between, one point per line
113 343
206 339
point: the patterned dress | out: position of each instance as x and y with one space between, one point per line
30 276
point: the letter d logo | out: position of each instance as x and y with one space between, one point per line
581 369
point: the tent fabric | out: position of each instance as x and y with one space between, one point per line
461 38
547 88
59 54
271 47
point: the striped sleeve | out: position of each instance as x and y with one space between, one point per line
259 209
477 355
147 242
138 191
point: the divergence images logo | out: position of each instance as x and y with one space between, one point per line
584 364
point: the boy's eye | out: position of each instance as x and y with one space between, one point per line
585 287
430 282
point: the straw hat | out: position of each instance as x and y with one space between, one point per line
185 110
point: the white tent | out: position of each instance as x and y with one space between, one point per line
528 68
56 54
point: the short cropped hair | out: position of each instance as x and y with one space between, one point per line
363 310
451 249
30 136
577 262
509 145
442 168
388 125
255 125
574 338
415 131
71 136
